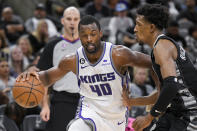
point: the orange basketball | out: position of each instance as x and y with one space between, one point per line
29 93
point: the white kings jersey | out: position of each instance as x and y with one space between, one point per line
101 84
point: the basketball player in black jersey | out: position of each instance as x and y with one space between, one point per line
176 105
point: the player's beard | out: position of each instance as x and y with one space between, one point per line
92 48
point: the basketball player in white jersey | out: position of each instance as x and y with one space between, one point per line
101 68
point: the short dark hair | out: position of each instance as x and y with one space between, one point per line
155 14
88 19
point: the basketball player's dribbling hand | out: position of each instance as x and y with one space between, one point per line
45 113
26 75
125 96
33 68
142 122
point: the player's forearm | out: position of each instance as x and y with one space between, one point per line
45 98
50 76
47 77
143 60
140 101
145 100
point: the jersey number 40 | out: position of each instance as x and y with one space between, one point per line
102 89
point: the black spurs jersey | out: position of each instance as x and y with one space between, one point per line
187 77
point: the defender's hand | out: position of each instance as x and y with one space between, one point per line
142 122
125 96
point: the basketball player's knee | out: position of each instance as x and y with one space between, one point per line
79 125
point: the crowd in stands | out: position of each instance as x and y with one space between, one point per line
22 41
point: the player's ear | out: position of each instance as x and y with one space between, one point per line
101 34
152 28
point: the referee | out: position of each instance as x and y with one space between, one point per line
64 100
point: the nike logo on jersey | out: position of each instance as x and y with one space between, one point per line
119 123
82 67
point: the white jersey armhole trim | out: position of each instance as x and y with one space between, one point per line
112 62
77 68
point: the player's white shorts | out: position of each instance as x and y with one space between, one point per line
99 123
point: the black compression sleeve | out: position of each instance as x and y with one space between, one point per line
168 92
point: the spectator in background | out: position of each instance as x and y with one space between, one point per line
173 32
180 3
82 3
189 14
120 22
141 48
133 5
3 40
97 9
6 81
39 37
172 9
138 88
129 37
191 40
12 25
25 45
40 13
3 100
112 5
4 50
16 113
17 62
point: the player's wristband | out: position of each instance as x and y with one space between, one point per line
168 92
